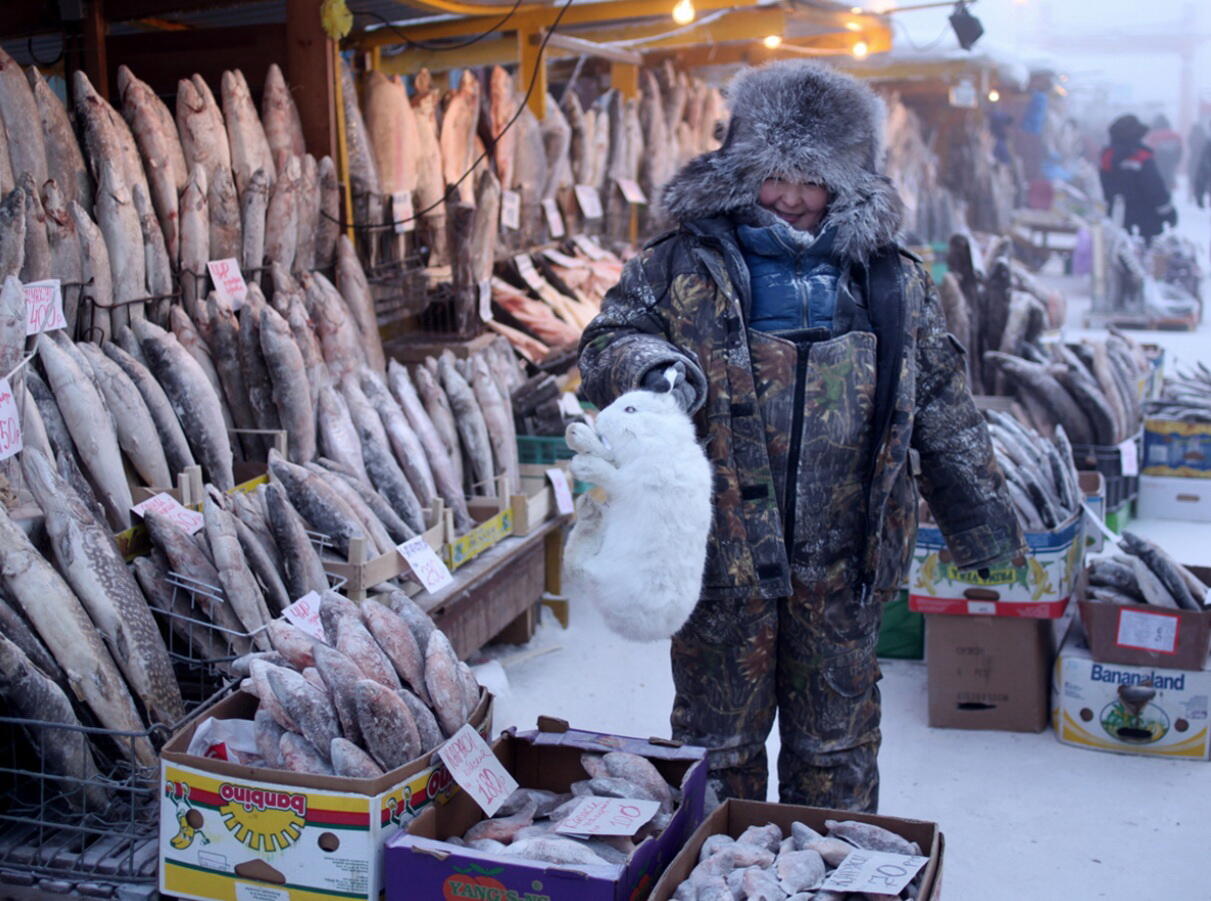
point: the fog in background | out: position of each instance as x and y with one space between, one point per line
1140 73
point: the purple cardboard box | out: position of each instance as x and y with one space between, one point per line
418 864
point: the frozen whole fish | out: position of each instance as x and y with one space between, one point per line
64 161
430 202
36 264
386 725
338 334
403 440
338 437
167 427
363 173
119 222
88 558
287 376
426 723
254 204
352 762
223 212
63 242
316 502
353 287
12 233
378 541
341 675
245 135
304 571
301 756
457 138
356 643
385 474
18 110
155 257
472 430
398 644
201 127
239 585
268 738
409 611
498 417
283 128
308 201
328 218
306 705
194 213
444 684
281 216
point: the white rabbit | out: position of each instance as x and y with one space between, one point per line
639 556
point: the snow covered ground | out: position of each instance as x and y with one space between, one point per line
1024 816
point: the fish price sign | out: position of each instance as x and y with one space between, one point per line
43 306
10 422
477 771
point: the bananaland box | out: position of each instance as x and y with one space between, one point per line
240 833
1129 709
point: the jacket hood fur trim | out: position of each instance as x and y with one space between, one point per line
803 122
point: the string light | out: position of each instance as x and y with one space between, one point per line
994 95
772 41
853 26
860 50
683 12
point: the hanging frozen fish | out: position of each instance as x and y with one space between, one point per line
328 221
429 202
254 202
26 145
284 363
472 430
195 239
502 106
557 141
36 264
307 204
281 216
280 117
223 213
201 127
171 438
385 474
239 585
457 138
193 399
316 502
353 287
245 134
403 440
64 161
304 570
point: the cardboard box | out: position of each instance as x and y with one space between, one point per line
732 817
987 672
420 865
1108 707
1093 486
1142 635
240 833
1037 586
1175 497
1175 448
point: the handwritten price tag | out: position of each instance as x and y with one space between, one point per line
608 816
228 282
425 564
168 506
563 494
1147 631
631 191
10 422
477 771
510 210
485 300
1130 457
876 872
401 212
562 259
43 306
305 614
529 275
589 200
589 247
555 226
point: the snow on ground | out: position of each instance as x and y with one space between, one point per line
1023 815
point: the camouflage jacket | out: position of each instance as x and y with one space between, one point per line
686 297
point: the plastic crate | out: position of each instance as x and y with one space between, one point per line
1108 460
547 450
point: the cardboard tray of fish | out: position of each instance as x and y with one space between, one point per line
1142 607
1177 430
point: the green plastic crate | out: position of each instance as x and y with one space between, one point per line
547 450
902 634
1121 518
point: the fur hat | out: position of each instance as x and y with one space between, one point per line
805 122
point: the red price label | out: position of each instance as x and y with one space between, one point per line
43 306
167 506
425 564
608 816
10 422
305 614
475 768
228 282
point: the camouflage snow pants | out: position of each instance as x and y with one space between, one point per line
810 657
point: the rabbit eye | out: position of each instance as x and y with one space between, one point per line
629 410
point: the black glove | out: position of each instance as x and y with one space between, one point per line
658 380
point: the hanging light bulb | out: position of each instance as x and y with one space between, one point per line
853 26
683 12
994 95
772 41
860 50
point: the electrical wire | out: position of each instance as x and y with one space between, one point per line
920 48
521 108
438 46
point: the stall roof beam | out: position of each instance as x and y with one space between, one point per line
582 47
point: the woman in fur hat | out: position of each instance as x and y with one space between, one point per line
812 352
1130 174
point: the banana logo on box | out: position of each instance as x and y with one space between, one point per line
263 819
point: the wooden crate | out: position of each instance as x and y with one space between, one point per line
536 502
361 574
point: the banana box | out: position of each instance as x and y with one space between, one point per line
1038 585
231 832
1128 709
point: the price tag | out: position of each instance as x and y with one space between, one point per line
569 405
982 608
305 614
1130 457
874 872
563 494
529 275
43 306
589 200
562 259
401 212
554 218
425 564
477 771
510 210
1147 631
608 816
631 191
229 284
589 247
169 507
485 300
10 422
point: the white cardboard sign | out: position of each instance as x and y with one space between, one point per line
228 282
169 507
1147 631
510 210
401 212
873 872
563 494
589 247
10 422
589 200
529 275
608 816
631 191
477 771
305 615
425 564
554 218
562 259
1130 457
43 306
485 300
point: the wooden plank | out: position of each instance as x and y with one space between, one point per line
95 32
310 74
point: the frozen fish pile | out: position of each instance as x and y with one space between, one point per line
525 825
1042 478
1186 396
767 865
381 689
1144 574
